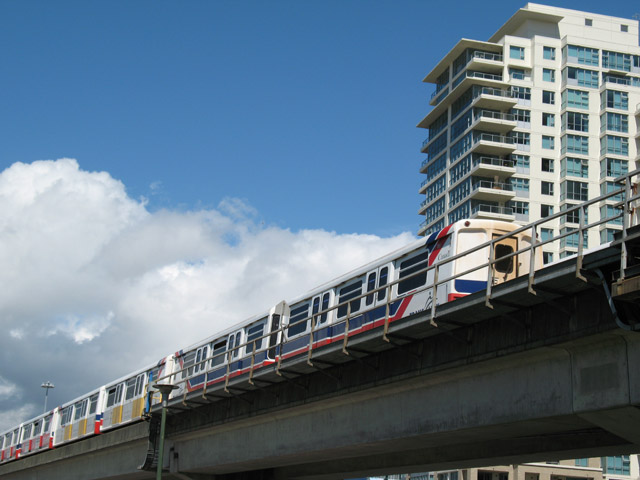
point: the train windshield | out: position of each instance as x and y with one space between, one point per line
506 264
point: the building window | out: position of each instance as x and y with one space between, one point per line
616 61
548 119
521 115
574 167
548 97
588 22
547 188
522 161
546 210
615 99
517 74
546 234
521 138
548 75
549 53
624 28
575 121
517 53
571 190
619 465
575 144
520 208
613 167
614 145
582 55
616 122
575 99
547 257
520 184
547 165
548 142
580 77
523 93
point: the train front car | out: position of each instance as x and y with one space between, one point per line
507 264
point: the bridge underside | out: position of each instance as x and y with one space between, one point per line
536 377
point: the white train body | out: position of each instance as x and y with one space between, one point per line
396 286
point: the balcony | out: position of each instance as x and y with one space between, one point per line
492 144
463 81
486 62
493 212
491 166
491 121
423 207
494 99
492 191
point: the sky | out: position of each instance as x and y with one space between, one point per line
168 169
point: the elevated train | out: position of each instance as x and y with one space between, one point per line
394 287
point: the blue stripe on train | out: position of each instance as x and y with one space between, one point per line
470 286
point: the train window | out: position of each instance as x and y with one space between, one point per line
298 319
254 335
217 356
187 365
139 384
93 404
201 357
37 428
66 415
236 352
506 264
410 266
325 306
47 423
7 439
81 409
384 277
347 293
232 342
131 388
26 432
371 285
114 396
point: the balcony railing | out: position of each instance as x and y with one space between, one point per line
496 57
473 74
494 115
497 162
492 185
438 95
492 209
490 137
496 92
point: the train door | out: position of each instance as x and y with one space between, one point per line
26 438
64 430
375 301
133 404
217 368
234 342
113 408
94 419
321 317
507 268
276 318
79 424
47 438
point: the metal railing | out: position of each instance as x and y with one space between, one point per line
533 250
491 137
491 185
496 162
493 209
494 115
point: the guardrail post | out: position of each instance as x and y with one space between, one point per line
487 300
313 326
346 329
532 259
581 231
386 315
434 295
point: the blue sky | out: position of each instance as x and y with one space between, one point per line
168 169
305 109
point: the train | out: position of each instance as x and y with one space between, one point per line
456 261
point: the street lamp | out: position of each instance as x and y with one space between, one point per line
165 390
46 385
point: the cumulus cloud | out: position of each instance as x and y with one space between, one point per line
95 286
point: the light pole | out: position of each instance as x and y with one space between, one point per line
165 389
46 385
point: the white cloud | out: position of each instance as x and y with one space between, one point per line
98 286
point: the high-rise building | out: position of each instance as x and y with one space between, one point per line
540 117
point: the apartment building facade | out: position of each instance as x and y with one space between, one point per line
542 116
